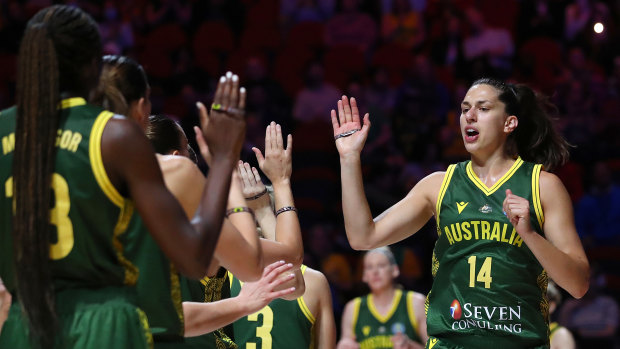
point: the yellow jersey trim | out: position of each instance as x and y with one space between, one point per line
72 102
302 304
373 310
146 330
488 191
442 191
536 195
131 271
96 161
230 277
356 312
175 294
554 326
411 311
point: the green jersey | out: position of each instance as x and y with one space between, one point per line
374 331
281 324
489 290
158 288
89 216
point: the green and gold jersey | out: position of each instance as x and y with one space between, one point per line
374 331
553 327
209 289
89 216
489 290
158 288
280 325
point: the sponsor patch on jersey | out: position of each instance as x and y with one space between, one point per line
455 310
461 206
398 327
485 209
381 329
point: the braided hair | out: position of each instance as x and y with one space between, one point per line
59 53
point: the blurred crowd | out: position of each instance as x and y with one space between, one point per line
408 63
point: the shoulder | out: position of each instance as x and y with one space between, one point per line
121 129
316 282
177 163
550 185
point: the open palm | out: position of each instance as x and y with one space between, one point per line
348 120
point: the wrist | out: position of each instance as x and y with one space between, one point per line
350 158
281 182
263 211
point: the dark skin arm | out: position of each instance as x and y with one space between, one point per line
189 246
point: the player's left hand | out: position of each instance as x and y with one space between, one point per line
517 209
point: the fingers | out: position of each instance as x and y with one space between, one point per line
274 273
243 174
279 140
341 116
355 114
219 91
273 136
202 113
278 294
256 175
335 124
202 144
226 91
289 144
268 139
268 269
259 157
347 109
242 98
250 176
234 91
366 125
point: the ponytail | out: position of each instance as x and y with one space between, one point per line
56 54
535 139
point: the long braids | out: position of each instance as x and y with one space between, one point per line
58 45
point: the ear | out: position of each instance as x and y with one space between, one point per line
395 271
511 124
175 152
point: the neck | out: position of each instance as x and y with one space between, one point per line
490 169
384 296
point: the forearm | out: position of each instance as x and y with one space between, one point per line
267 221
572 274
288 231
210 213
202 318
358 220
244 222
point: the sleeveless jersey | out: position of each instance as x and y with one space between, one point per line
209 289
89 216
489 290
280 325
158 288
373 331
553 327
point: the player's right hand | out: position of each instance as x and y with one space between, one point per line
348 121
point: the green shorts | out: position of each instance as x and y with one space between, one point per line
99 318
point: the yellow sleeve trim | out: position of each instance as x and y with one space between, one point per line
411 311
356 312
175 295
131 271
536 195
146 330
442 191
96 161
304 309
230 278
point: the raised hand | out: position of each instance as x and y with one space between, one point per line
349 132
277 163
252 185
517 209
223 130
256 295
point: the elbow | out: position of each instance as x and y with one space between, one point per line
581 290
360 245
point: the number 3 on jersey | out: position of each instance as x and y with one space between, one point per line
59 215
484 275
264 331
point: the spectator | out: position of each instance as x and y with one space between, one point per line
314 101
351 27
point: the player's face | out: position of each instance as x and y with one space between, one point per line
483 120
378 272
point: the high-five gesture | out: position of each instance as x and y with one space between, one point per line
277 163
224 129
349 132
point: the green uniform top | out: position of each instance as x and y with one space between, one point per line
553 327
489 290
209 289
88 215
280 325
158 288
374 331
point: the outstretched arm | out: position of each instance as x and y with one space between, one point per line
202 318
560 253
399 221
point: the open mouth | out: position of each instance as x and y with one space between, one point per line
471 134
